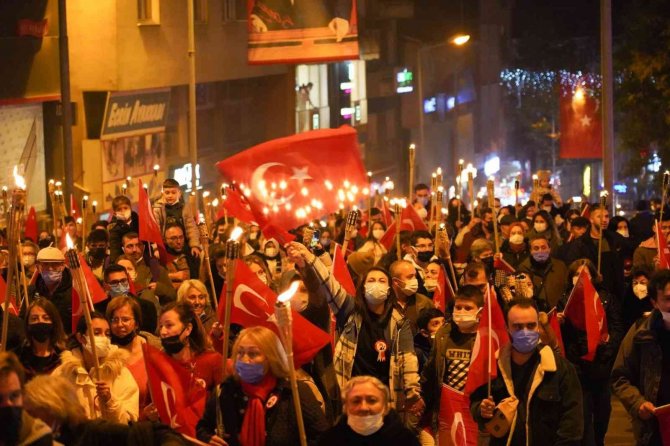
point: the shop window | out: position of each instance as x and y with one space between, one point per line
234 10
148 12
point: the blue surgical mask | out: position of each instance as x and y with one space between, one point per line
120 289
541 256
51 277
250 373
525 341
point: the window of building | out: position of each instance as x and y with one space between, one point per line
234 10
148 12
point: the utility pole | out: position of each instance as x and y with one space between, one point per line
66 109
192 136
607 93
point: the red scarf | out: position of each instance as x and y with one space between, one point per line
253 425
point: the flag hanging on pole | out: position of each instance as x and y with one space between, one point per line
581 125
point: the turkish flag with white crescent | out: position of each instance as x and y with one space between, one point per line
662 247
456 426
581 127
253 305
443 292
178 396
410 220
294 179
586 312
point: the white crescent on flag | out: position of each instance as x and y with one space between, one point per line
237 301
167 392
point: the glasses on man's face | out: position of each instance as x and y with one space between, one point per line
176 238
122 320
118 282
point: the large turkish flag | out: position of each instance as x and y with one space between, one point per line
581 126
294 179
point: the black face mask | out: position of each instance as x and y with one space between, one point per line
123 340
424 256
489 226
11 424
40 331
97 253
172 344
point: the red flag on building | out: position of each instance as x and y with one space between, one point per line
294 179
410 220
30 227
443 292
253 304
455 423
178 396
340 271
585 311
662 247
491 326
581 126
149 229
662 414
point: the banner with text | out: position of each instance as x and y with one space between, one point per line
131 113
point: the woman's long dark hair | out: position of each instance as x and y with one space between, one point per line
198 340
361 306
58 337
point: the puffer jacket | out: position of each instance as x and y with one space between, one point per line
190 229
404 367
124 405
636 375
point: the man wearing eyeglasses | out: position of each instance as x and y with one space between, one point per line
181 265
117 283
54 282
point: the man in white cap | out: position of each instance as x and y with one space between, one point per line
54 282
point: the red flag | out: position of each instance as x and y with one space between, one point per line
12 300
149 229
662 414
341 272
410 220
444 292
491 326
500 264
586 313
389 236
74 210
556 327
386 213
662 247
97 291
238 207
253 304
178 396
272 231
30 227
293 179
455 423
581 126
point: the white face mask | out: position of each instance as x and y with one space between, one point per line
376 293
102 346
410 286
28 260
640 290
540 227
377 234
365 424
465 319
125 216
516 239
271 252
430 285
623 232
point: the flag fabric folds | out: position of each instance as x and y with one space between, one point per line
443 292
177 395
30 226
456 425
341 272
149 229
581 126
253 304
662 247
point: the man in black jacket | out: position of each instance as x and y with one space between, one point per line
54 283
545 386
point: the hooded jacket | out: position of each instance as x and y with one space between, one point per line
123 407
191 231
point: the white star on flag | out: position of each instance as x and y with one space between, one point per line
586 121
300 174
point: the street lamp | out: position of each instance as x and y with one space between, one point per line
460 39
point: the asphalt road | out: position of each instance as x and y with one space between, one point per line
619 432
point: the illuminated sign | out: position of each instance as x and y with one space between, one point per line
430 105
184 174
404 80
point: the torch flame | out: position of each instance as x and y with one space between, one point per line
236 233
68 242
288 294
18 179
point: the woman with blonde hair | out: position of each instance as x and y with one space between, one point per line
256 403
195 292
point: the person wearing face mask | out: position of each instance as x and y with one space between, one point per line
184 339
636 302
423 252
29 255
544 225
18 427
45 340
449 360
256 402
115 395
514 249
96 252
431 279
372 243
619 225
124 220
54 283
117 283
549 274
594 373
368 418
273 258
408 300
375 338
544 384
421 201
641 373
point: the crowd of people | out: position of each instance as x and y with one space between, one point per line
398 357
